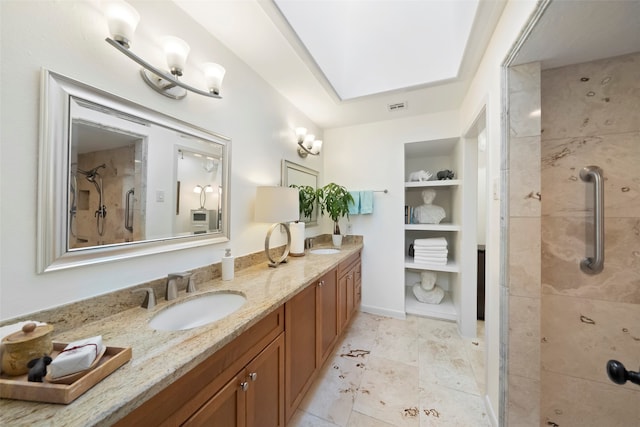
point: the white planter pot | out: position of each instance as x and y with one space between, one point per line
337 240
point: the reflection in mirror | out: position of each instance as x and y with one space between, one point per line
293 173
198 193
119 180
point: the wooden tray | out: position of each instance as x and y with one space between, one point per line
19 388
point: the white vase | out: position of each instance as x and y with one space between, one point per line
297 238
337 240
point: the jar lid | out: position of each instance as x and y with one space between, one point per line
29 332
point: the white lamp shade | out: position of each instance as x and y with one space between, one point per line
277 204
122 19
176 51
213 75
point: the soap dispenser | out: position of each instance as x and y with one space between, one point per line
227 266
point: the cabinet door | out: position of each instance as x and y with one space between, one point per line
225 409
300 346
358 286
328 320
265 393
346 287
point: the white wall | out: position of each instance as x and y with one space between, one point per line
68 37
486 89
371 157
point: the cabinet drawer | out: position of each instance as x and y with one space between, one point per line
347 264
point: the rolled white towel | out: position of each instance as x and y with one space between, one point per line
434 296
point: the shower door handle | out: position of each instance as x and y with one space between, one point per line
595 264
619 375
128 212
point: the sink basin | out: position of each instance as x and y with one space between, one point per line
197 311
324 251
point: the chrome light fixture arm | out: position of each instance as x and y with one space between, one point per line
163 81
304 151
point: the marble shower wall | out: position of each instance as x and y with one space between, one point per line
590 115
523 358
118 176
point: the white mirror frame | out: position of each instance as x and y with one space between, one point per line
53 173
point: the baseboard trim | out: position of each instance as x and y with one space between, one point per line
490 412
383 312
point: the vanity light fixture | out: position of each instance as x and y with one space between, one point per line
277 205
199 189
307 143
122 20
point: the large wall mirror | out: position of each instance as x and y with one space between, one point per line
293 173
118 180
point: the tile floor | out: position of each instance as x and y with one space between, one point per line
390 372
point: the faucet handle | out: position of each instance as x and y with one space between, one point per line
149 299
191 284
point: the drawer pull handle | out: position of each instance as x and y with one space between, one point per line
244 386
253 376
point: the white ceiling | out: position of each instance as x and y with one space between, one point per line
256 31
260 35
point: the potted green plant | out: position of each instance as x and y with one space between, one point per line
335 199
308 199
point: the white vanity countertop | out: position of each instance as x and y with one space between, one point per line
159 358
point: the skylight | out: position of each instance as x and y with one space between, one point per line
373 46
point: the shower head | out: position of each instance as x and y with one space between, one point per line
92 173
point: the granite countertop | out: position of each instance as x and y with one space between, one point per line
160 358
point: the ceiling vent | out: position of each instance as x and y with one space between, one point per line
398 106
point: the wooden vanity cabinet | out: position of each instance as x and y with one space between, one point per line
213 394
252 398
311 331
349 288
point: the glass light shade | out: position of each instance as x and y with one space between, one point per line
301 133
175 51
309 139
276 204
208 189
317 146
213 75
197 189
122 20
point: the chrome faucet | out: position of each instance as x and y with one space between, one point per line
308 242
172 284
149 299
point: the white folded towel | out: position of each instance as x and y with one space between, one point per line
430 261
76 356
434 241
430 253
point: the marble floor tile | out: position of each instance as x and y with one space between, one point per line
378 377
389 391
332 394
443 406
304 419
446 365
360 420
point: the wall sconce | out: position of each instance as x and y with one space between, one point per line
277 205
199 189
122 20
307 143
